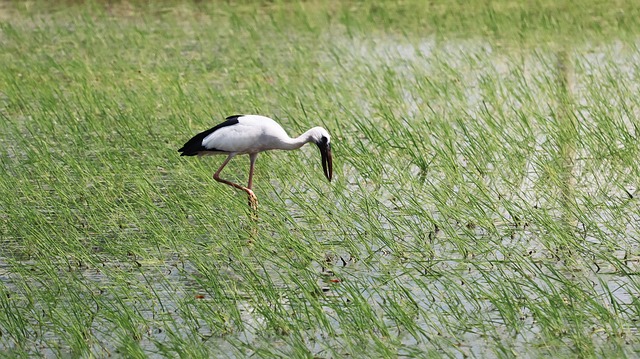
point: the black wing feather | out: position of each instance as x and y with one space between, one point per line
194 145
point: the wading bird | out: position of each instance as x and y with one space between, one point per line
252 134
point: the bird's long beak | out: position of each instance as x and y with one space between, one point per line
327 161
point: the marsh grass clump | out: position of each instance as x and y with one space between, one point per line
484 200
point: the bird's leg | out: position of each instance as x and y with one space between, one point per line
216 176
253 200
252 159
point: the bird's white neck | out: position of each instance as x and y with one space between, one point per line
297 142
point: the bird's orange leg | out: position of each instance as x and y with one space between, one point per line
253 200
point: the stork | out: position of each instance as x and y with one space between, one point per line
252 134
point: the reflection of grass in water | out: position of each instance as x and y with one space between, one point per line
445 231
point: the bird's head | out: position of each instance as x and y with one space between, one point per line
321 138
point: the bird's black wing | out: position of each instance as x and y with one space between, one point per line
194 145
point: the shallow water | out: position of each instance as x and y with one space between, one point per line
426 288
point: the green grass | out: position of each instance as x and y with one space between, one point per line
484 202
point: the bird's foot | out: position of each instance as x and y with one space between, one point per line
253 200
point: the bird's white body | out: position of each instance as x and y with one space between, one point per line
253 134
